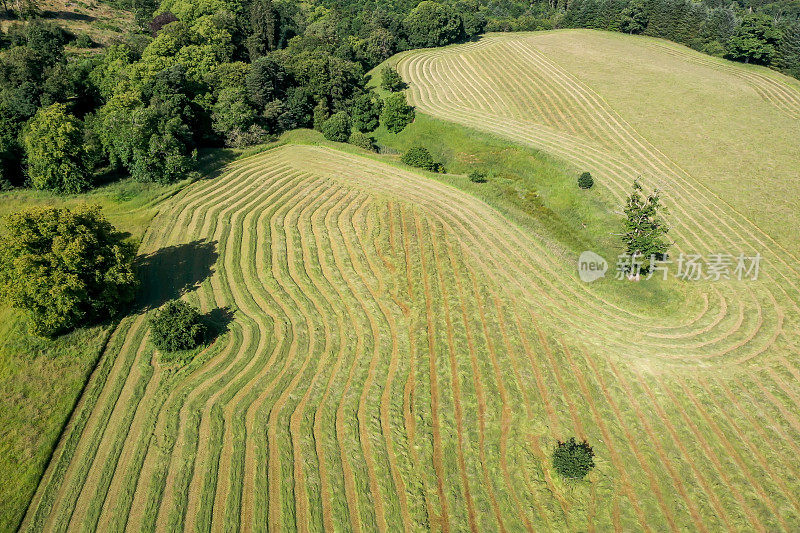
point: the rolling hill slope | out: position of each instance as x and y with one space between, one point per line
401 355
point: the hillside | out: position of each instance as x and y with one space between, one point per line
399 349
658 107
404 354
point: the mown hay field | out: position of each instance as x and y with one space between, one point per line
401 355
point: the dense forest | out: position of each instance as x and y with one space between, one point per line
239 72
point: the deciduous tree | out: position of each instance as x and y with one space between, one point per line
65 267
53 144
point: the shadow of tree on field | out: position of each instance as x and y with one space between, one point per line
217 321
67 15
168 273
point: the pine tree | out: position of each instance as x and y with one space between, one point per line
644 227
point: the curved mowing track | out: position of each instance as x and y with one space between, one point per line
401 356
504 85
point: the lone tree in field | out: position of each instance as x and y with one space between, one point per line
176 326
65 267
391 80
644 227
572 459
585 180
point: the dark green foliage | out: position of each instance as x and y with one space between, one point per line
53 144
176 326
420 157
789 50
10 148
432 24
337 127
232 114
396 114
321 114
83 41
264 28
65 267
365 112
334 79
572 459
391 80
477 176
362 140
754 41
297 110
644 228
634 17
151 134
585 180
473 21
266 81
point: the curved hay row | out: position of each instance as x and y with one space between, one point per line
391 364
525 259
425 82
775 91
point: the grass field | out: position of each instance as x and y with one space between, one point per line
41 379
405 350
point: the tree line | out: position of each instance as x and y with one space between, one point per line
204 74
749 31
237 72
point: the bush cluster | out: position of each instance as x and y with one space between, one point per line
420 157
176 326
477 176
572 459
585 181
362 140
391 80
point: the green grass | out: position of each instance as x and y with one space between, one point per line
341 265
42 379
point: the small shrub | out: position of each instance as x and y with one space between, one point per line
391 80
421 158
176 326
585 181
337 127
362 140
477 176
83 41
572 459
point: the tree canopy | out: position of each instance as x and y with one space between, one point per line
645 229
573 459
397 114
176 326
53 144
65 267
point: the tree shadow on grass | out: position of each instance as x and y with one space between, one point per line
217 321
168 273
